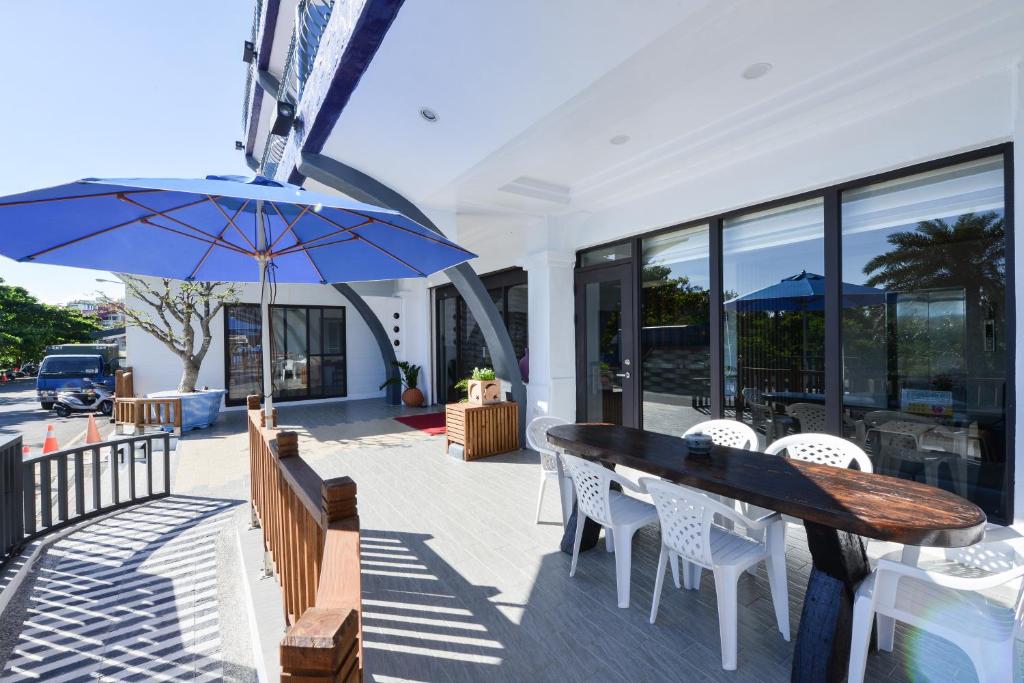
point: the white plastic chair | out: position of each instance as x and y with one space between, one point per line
824 449
550 464
618 513
942 597
727 433
688 530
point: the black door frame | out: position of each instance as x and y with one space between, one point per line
623 271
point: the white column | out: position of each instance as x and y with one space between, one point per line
552 386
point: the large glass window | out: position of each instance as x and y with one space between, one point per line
924 328
460 341
307 352
675 350
773 265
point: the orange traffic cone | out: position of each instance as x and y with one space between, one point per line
50 445
25 451
92 434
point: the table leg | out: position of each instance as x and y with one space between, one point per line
840 562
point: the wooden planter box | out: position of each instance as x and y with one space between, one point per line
482 430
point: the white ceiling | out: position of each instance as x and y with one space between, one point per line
530 93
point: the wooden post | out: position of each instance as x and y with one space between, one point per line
287 445
323 645
252 402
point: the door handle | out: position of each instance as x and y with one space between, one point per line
622 374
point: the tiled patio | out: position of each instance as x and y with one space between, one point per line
459 584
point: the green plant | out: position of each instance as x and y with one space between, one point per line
478 374
410 375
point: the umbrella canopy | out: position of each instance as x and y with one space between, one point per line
220 228
802 292
208 229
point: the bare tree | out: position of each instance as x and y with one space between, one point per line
176 308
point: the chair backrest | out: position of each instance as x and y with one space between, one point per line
810 416
824 449
536 439
592 483
726 433
686 517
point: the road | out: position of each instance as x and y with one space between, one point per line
20 413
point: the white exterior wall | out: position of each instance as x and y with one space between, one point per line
156 368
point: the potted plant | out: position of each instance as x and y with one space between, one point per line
412 396
175 310
482 387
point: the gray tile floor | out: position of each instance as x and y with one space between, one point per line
461 585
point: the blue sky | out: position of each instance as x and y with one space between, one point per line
116 89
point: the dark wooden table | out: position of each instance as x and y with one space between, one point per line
838 507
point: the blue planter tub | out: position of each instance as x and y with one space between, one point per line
198 410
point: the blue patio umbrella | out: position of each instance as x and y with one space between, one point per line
220 228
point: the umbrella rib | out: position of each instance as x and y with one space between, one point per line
140 219
304 247
232 222
312 243
215 243
289 227
210 249
439 240
25 202
315 267
164 214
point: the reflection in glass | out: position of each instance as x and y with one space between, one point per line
291 369
925 362
603 255
244 360
774 337
602 315
674 337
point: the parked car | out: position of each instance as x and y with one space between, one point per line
72 366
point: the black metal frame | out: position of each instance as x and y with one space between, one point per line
309 395
501 279
18 496
832 197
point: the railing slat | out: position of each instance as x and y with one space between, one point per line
115 465
97 502
45 494
29 497
62 487
79 482
131 471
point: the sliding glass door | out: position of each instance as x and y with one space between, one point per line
879 310
307 356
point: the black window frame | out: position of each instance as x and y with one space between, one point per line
831 196
309 394
502 279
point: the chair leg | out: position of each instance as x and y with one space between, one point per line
674 560
886 633
659 579
726 589
581 520
863 610
540 494
609 540
931 473
566 495
623 564
780 592
696 571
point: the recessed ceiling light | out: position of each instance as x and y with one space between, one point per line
756 70
429 115
619 140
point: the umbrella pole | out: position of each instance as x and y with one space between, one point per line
268 384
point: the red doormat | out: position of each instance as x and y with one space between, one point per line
431 423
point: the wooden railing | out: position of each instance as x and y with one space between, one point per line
43 493
124 383
147 412
311 538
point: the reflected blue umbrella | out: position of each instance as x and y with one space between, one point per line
219 228
802 292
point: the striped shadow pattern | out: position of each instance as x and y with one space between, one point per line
132 597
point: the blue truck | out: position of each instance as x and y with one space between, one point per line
71 366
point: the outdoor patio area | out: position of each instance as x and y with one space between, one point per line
459 584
